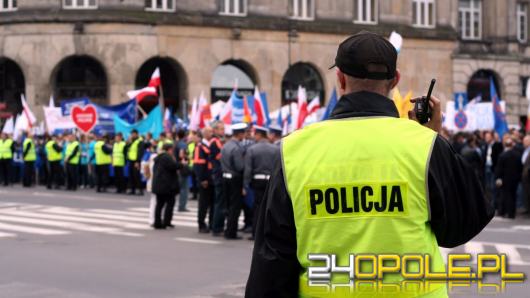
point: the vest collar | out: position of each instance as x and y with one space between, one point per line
364 104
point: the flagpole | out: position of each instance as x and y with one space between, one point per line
161 98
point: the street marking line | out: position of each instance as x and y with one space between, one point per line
31 230
197 240
474 247
4 235
512 254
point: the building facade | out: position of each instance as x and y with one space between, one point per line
103 48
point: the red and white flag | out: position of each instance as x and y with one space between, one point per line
259 108
313 105
302 107
155 78
194 117
28 114
226 113
142 94
205 114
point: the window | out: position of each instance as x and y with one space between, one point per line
302 9
8 5
470 19
366 12
423 13
160 5
522 22
233 7
80 4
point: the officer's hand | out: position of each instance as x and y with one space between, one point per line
204 184
498 182
435 123
244 192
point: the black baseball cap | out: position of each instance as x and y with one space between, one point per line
364 48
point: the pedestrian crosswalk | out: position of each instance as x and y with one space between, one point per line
17 219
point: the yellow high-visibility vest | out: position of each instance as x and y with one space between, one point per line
359 186
118 158
32 155
51 154
74 160
5 149
101 157
132 153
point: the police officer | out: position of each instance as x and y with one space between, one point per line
118 162
71 160
370 183
202 166
102 152
163 139
275 135
216 145
7 147
54 155
29 155
258 168
233 163
135 152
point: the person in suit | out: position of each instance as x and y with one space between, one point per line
525 177
491 150
508 175
473 155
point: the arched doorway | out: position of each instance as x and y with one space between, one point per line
230 73
172 79
479 85
80 76
305 75
12 85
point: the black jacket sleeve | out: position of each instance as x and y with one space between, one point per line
275 269
57 148
73 153
106 149
141 150
458 207
26 150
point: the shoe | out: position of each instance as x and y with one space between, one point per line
217 234
233 237
170 226
184 210
204 230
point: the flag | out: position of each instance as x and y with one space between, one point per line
313 105
226 113
30 117
262 119
396 40
167 120
501 126
194 117
331 105
20 125
142 94
247 115
287 127
51 103
9 126
302 107
155 78
279 120
205 114
403 104
152 123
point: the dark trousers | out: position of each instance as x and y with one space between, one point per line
72 172
206 198
219 209
29 173
508 198
5 170
119 180
258 186
102 177
166 202
134 177
232 189
54 175
83 175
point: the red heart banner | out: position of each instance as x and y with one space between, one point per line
84 118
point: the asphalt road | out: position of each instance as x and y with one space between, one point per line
83 244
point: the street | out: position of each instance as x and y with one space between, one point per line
83 244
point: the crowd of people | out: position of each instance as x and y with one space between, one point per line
227 174
501 163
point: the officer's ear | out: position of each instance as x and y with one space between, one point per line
395 80
341 80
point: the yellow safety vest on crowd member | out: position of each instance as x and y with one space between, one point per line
32 155
118 158
132 153
361 189
74 160
101 157
51 154
191 151
5 149
162 143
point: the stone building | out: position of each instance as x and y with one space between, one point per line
103 48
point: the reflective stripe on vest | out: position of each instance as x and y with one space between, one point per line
74 160
118 158
51 154
32 155
132 153
361 189
5 149
101 157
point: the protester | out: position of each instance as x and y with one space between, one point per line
7 147
73 153
165 186
202 167
118 162
525 179
135 151
103 158
508 176
29 155
84 180
182 154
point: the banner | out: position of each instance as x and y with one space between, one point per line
125 111
473 117
67 105
55 121
152 123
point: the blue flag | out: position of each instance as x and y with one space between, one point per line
501 127
279 121
152 123
331 105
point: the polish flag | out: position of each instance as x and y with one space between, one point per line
259 108
226 113
313 105
205 114
142 94
155 78
30 117
302 107
194 117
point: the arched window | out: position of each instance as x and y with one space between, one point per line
172 79
12 85
305 75
229 74
479 85
79 76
